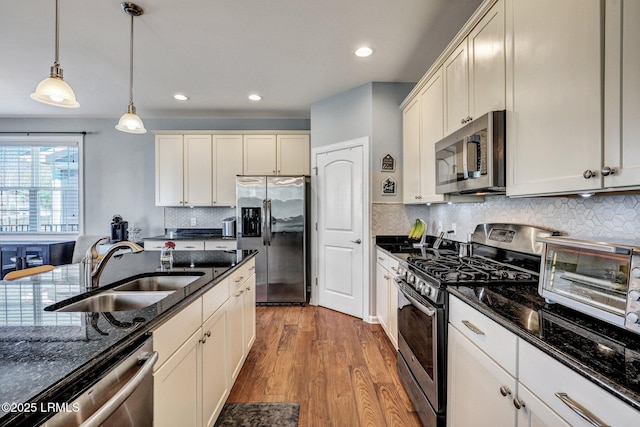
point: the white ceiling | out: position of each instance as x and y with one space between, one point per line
292 52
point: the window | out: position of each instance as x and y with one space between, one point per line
40 184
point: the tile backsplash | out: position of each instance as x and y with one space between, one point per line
607 216
209 217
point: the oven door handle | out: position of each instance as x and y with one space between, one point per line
428 311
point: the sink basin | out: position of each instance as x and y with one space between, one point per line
166 283
114 301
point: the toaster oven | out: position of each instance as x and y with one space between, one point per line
596 278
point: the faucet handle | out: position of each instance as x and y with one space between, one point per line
92 253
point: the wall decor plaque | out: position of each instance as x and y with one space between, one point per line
388 164
388 187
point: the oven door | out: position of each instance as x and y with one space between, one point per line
421 342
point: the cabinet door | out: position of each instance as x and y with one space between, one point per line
215 380
198 188
533 412
293 154
11 259
382 296
411 161
249 326
622 94
479 391
227 161
169 170
175 387
431 131
554 86
487 63
235 341
260 155
456 88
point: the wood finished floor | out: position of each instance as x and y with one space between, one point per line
340 369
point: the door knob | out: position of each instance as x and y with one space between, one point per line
358 241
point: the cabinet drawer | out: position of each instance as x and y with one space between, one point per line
382 258
492 338
153 245
546 377
189 245
214 298
169 336
238 277
393 266
220 245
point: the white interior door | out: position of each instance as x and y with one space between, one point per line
342 223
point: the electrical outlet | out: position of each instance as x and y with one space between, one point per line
453 228
193 222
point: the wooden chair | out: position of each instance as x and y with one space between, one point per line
18 274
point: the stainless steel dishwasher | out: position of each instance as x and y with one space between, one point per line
122 397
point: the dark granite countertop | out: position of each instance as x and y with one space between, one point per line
44 354
606 355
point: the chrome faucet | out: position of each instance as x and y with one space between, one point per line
92 274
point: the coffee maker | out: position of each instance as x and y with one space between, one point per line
118 229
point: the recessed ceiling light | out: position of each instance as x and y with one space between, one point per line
180 97
363 51
255 97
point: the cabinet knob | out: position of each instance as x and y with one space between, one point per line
519 403
634 295
635 272
633 317
606 171
505 391
589 174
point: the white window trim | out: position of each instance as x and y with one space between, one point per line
78 138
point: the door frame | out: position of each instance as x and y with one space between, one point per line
363 142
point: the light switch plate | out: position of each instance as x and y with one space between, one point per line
193 222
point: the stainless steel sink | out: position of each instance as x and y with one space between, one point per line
115 301
166 283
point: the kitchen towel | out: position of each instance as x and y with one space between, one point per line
278 414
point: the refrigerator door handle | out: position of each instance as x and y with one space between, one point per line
269 222
264 222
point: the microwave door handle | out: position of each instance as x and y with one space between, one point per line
465 153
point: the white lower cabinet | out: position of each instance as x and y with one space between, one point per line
497 379
201 351
387 295
479 391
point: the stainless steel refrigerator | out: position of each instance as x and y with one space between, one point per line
271 217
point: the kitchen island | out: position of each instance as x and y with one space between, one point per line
48 356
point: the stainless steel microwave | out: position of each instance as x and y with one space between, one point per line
597 278
472 159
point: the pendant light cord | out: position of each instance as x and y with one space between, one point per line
57 63
131 66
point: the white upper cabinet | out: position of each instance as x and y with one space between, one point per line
411 175
293 154
169 170
621 166
276 154
486 45
227 161
260 155
554 96
474 73
432 131
456 90
198 187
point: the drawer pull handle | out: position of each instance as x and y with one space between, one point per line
239 293
238 279
380 258
519 403
387 277
472 327
394 269
505 391
189 247
581 410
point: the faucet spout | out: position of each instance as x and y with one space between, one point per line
93 275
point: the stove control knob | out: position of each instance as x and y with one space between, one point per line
635 272
427 291
633 317
634 295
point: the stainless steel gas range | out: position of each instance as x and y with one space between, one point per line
498 254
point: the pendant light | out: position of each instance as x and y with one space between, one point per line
54 90
130 122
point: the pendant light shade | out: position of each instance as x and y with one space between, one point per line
130 122
54 90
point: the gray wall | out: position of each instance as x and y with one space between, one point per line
370 110
119 168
